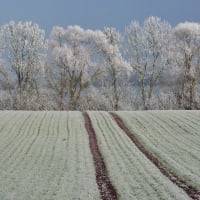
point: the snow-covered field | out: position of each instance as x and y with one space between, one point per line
46 155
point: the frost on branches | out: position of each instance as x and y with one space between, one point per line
150 66
187 53
147 51
116 65
23 45
78 59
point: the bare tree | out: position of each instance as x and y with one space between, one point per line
187 53
146 48
24 45
116 65
75 53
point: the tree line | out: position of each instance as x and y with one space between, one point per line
150 66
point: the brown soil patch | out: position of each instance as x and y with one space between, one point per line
106 189
190 190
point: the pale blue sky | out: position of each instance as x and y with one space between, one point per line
96 14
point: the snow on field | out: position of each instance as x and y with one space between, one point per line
45 155
132 174
173 137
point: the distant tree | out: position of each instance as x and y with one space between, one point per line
186 50
74 55
23 45
5 80
78 58
116 65
146 48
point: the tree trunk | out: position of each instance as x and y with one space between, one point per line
188 85
142 87
116 95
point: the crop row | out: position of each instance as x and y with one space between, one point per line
131 173
45 155
173 137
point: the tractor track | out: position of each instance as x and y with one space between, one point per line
190 190
107 190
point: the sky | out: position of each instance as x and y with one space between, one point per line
97 14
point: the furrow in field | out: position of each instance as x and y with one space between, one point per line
62 153
14 131
188 119
84 157
36 136
41 171
24 172
105 143
190 190
16 155
166 142
187 122
162 125
185 152
32 151
163 143
186 135
193 114
7 118
53 160
78 177
124 153
28 157
11 156
106 188
170 138
152 182
15 162
179 137
41 157
69 175
131 173
50 164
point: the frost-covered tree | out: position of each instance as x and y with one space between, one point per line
2 68
74 56
146 48
116 65
186 50
23 45
78 58
6 84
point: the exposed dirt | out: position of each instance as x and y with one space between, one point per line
106 188
191 191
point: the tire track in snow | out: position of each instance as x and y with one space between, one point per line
191 191
106 188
